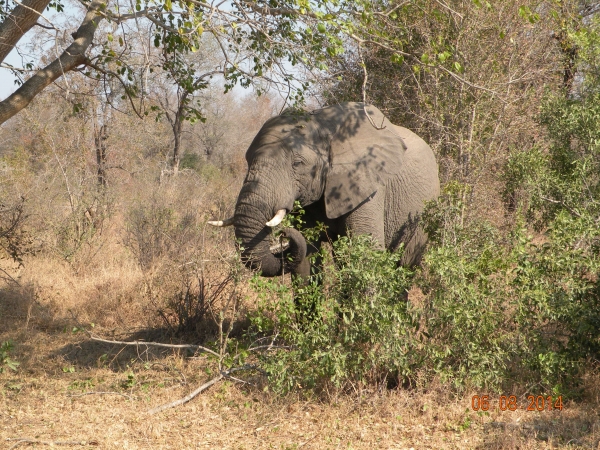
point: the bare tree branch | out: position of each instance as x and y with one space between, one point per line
188 397
205 386
19 21
155 344
19 441
72 57
125 87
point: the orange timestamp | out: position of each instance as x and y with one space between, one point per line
511 403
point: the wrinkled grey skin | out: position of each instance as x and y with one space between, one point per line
345 172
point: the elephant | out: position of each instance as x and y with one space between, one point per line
350 168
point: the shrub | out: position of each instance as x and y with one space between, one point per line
504 307
5 360
498 309
348 326
15 242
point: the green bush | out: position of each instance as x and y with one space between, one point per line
496 309
349 326
5 360
352 324
190 161
505 307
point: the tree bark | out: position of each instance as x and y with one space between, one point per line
177 129
72 57
176 122
100 137
19 22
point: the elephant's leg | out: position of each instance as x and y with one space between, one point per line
368 218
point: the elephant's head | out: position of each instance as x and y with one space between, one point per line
334 152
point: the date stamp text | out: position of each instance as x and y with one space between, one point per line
511 403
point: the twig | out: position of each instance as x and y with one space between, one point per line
271 347
468 83
444 5
306 442
364 89
148 344
560 202
188 397
20 441
10 277
239 380
155 344
51 27
107 72
99 393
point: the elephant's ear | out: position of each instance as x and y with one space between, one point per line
363 156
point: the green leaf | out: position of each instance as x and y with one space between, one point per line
321 27
397 59
444 56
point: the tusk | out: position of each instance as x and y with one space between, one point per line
277 218
221 223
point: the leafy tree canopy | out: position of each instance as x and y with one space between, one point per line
261 40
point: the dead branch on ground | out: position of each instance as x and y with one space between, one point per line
19 441
100 393
155 344
190 396
148 344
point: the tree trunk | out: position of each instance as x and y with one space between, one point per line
100 123
18 22
72 57
177 125
100 137
177 129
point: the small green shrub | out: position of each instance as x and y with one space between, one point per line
5 360
190 161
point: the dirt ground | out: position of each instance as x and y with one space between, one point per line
70 390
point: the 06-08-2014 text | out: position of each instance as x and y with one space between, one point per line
511 403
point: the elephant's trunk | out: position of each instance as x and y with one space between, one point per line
255 237
296 251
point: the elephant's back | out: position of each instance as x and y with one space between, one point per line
420 170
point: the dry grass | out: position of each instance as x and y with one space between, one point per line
70 388
43 401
